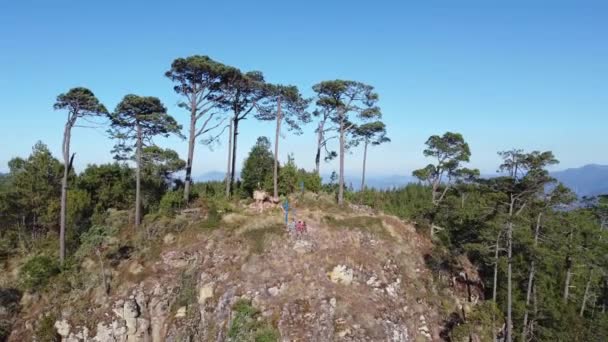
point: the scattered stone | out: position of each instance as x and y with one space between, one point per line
274 291
343 333
181 312
63 328
136 268
374 282
341 275
303 246
175 259
205 293
169 239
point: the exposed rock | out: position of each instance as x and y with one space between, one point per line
303 246
169 239
274 291
342 275
181 312
333 284
373 282
205 293
63 328
175 259
136 268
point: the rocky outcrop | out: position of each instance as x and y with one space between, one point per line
328 285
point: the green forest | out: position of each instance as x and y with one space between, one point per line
542 253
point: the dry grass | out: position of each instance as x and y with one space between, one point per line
257 230
367 224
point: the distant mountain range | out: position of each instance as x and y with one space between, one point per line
589 180
377 182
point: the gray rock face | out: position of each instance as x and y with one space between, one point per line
333 285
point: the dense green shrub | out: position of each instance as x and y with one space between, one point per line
481 324
94 238
171 202
246 325
45 329
410 202
312 180
258 168
37 271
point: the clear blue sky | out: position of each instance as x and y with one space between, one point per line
526 74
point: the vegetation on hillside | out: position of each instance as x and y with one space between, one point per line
543 261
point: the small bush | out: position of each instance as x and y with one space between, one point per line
5 330
37 271
171 202
187 291
93 238
45 329
484 320
246 325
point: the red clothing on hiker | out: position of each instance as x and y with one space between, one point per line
301 227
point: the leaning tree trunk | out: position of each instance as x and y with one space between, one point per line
229 159
275 175
342 149
319 143
191 143
138 177
524 328
64 189
364 161
235 134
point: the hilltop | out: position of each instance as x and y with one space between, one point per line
235 274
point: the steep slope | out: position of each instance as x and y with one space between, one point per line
354 276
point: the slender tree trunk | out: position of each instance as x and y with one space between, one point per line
496 254
319 142
568 269
342 149
567 284
235 134
509 335
524 327
593 306
276 152
191 143
364 161
138 178
535 310
229 159
64 189
586 295
495 284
